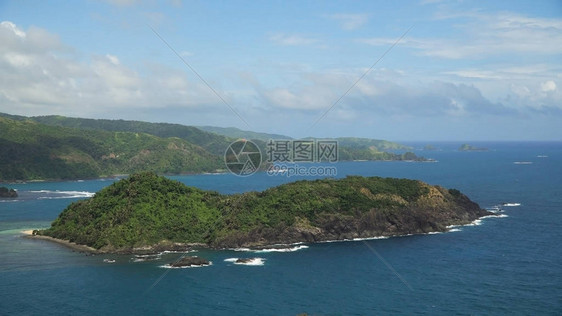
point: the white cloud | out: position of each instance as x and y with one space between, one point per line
292 39
488 35
350 21
383 98
123 3
511 73
113 59
548 86
7 25
40 77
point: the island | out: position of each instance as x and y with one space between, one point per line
146 211
8 193
467 147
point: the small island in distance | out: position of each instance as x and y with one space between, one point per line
467 147
147 212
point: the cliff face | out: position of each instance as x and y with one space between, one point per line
390 215
147 211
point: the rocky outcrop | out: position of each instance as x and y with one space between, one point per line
8 193
190 262
432 212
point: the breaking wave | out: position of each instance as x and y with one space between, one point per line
250 262
49 195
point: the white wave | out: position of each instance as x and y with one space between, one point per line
168 266
149 255
367 238
523 162
63 194
476 222
511 204
296 248
178 251
252 262
434 233
8 201
285 249
242 249
493 216
355 239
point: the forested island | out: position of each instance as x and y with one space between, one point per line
146 211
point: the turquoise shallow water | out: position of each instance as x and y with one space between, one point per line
509 265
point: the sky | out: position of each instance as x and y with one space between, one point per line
398 70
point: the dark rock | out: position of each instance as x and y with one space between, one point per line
8 193
189 261
245 260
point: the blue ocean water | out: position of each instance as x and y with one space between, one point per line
510 265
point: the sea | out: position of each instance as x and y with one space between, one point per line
503 265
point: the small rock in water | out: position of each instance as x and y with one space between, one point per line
245 260
189 261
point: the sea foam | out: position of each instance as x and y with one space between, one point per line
168 266
63 194
252 262
511 204
285 249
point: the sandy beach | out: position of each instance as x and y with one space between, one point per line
66 243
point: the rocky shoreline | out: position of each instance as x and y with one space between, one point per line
186 247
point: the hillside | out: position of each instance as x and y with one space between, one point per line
213 143
58 147
31 150
146 210
234 132
350 148
217 139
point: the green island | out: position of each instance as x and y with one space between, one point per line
64 148
149 212
467 147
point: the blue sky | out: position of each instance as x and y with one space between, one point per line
466 70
